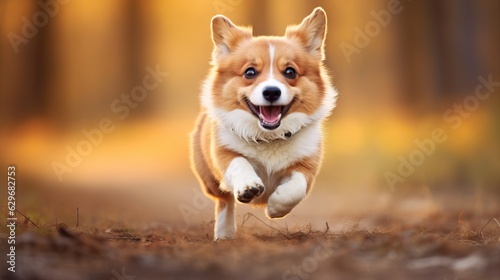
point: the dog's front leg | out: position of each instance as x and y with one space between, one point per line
287 195
241 179
237 176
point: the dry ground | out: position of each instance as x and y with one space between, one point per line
405 238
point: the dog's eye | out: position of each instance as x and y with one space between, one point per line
290 73
250 73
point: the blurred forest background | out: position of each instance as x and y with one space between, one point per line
396 89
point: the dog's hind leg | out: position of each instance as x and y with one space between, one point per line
225 227
224 208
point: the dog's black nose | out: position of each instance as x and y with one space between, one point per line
271 94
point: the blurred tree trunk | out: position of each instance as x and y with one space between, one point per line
90 62
22 72
439 52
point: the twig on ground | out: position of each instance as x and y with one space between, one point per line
27 218
284 231
248 215
77 218
492 219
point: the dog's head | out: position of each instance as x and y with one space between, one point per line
264 87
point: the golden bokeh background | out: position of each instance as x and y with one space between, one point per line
395 88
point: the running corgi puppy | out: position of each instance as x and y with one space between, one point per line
258 138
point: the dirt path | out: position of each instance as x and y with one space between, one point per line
110 244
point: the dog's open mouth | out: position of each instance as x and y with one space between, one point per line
269 116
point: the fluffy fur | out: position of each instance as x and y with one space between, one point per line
258 136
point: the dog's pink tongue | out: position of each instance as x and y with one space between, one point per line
270 114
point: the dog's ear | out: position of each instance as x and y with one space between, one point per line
226 36
310 33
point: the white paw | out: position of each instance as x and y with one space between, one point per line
224 234
248 189
278 207
286 196
242 180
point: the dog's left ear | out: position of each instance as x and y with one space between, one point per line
310 33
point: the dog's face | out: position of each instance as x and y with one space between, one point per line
263 87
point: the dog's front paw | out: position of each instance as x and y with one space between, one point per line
277 208
287 196
243 181
249 191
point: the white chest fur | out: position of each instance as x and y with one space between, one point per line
274 155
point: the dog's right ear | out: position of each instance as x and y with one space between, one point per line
227 36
